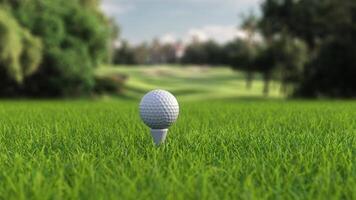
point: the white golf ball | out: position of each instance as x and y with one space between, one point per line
159 109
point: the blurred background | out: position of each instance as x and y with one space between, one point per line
197 49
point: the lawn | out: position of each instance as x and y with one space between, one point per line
220 148
190 82
217 150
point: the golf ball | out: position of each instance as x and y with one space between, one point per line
159 109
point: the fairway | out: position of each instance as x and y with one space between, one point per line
190 82
218 149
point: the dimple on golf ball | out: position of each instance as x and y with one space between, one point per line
159 109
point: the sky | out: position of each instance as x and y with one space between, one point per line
179 20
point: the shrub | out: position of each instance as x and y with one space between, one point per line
75 37
110 84
20 52
31 54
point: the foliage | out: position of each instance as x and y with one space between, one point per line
31 55
240 54
124 55
10 46
332 72
110 84
146 54
93 4
73 70
165 54
141 54
20 52
323 26
310 20
237 54
75 38
209 53
250 26
266 62
291 60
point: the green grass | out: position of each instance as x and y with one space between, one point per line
224 145
219 149
190 82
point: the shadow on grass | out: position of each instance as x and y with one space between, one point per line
181 92
250 99
174 91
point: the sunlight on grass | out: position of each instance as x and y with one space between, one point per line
218 149
191 82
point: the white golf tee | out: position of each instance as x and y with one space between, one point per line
159 135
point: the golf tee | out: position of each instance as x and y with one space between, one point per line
159 135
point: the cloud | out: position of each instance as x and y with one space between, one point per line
218 33
115 8
221 34
168 38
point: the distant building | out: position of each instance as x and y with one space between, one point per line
179 50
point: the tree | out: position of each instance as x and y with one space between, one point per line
75 36
204 53
195 54
124 54
332 72
92 4
322 25
265 63
291 58
168 52
112 42
241 55
250 26
20 53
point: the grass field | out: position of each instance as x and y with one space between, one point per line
220 148
190 83
217 150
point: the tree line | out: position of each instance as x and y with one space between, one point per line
309 46
50 48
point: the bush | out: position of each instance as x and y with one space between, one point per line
10 46
70 72
20 52
31 54
75 38
110 84
89 28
